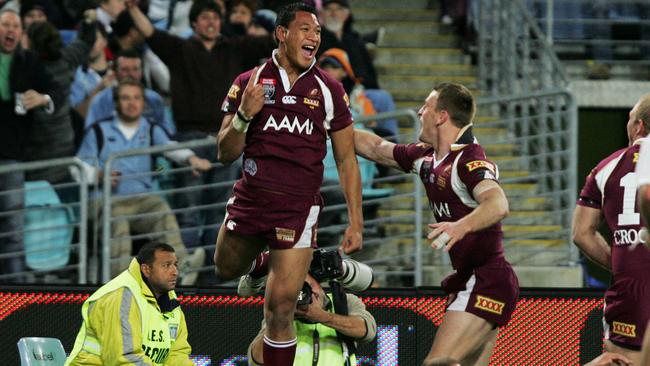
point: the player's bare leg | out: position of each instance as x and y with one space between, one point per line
634 356
235 253
460 335
481 357
288 268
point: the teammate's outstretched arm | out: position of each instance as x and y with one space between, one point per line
375 148
492 208
231 139
586 236
350 178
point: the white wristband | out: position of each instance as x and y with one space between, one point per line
239 125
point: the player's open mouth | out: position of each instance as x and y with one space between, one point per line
308 51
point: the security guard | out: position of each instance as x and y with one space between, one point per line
316 329
135 318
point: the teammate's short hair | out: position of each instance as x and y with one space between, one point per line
458 101
147 253
643 111
122 84
200 6
287 13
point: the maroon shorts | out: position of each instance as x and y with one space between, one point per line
490 291
627 309
285 221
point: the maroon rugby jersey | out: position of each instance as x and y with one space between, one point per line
286 141
611 187
449 184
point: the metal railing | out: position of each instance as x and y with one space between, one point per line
514 55
108 198
541 149
393 208
524 86
46 239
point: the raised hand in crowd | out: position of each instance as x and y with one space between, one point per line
199 165
32 99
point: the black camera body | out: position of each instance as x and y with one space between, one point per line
304 297
326 265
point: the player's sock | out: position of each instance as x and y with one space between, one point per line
279 353
260 266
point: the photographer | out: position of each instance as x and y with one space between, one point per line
327 336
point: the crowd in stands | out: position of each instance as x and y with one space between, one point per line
92 77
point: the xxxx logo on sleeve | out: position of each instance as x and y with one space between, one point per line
487 304
624 329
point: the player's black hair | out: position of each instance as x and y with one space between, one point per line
147 253
287 13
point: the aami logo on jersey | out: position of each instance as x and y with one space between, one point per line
624 329
440 209
294 126
487 304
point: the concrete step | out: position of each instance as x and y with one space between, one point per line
531 218
536 256
507 162
424 82
500 149
519 189
513 231
529 203
419 56
579 70
414 96
404 13
419 40
380 4
537 243
427 70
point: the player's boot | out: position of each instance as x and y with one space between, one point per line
249 286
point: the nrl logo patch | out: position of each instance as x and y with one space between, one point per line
268 85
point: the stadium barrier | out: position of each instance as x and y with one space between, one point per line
558 327
50 226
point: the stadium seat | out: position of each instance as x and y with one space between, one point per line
38 351
67 35
48 228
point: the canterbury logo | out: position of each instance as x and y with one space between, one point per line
487 304
289 99
624 329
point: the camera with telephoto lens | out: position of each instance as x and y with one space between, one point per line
328 265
